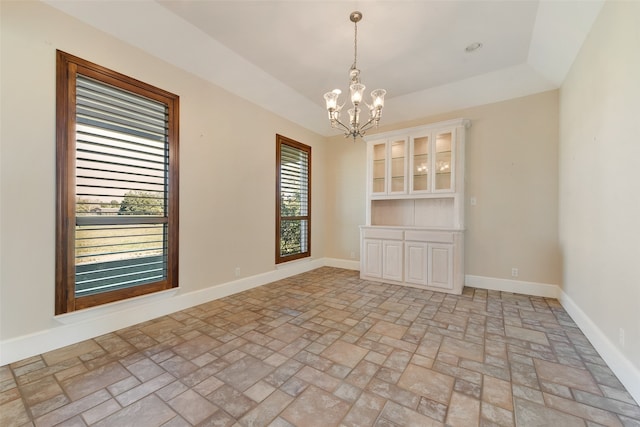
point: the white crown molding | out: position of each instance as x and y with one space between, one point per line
551 54
237 76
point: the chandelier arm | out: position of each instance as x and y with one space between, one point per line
368 125
345 127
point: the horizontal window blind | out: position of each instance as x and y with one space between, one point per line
122 166
293 181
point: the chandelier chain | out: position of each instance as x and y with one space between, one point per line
355 47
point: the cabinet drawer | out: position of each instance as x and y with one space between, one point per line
383 233
428 236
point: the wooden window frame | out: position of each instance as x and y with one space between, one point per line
282 140
67 67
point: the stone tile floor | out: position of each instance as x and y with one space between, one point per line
325 348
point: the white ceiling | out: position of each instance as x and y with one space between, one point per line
284 55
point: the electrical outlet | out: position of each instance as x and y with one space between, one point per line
353 255
621 337
473 201
514 272
237 271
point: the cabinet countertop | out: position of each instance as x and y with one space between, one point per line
411 227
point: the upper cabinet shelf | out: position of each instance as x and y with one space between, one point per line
432 162
416 162
388 166
415 176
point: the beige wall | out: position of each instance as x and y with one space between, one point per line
600 178
512 170
227 166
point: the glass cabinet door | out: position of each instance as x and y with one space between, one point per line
420 160
443 163
397 168
378 182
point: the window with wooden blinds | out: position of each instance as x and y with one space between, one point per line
117 219
293 200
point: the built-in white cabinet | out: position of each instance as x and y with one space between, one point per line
383 258
414 234
416 262
432 161
392 259
371 258
413 256
382 251
420 162
440 266
389 165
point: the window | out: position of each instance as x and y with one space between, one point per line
117 186
293 200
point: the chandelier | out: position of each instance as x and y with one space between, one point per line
356 89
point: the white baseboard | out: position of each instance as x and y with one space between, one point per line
347 264
93 322
626 372
514 286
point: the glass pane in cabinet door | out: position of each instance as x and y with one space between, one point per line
421 164
443 165
379 155
397 166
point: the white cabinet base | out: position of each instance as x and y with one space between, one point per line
371 262
416 262
392 260
424 258
440 266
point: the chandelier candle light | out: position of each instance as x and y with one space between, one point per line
356 89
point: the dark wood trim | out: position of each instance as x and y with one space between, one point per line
67 66
121 294
174 192
120 80
283 140
65 182
277 200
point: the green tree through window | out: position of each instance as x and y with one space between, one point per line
137 202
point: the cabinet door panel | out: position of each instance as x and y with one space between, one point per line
398 166
379 168
416 263
372 257
440 268
444 161
392 260
420 164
